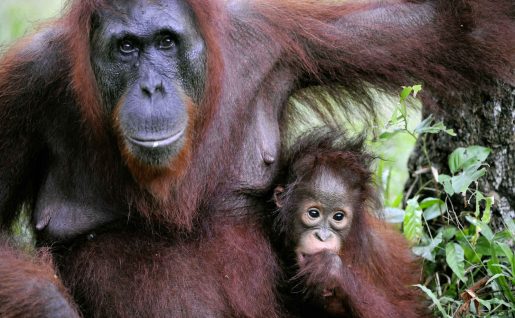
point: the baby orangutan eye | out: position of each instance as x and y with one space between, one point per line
313 213
338 216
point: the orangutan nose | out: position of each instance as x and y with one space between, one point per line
323 234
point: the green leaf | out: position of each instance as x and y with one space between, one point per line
412 225
426 122
487 213
508 252
471 255
416 89
497 301
485 230
435 300
461 182
449 232
433 208
450 132
456 160
483 246
445 180
395 118
491 279
455 257
434 212
390 134
397 201
485 303
481 227
434 129
406 91
510 224
477 152
404 112
461 158
428 251
494 268
428 202
472 220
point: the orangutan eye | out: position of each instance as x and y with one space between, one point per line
127 46
338 216
166 43
313 213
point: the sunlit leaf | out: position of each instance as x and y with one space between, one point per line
390 134
416 89
397 201
461 158
412 225
456 160
487 213
406 91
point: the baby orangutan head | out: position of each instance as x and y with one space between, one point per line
323 191
321 211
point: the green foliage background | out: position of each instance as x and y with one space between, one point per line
19 16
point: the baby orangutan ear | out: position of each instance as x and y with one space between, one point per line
278 194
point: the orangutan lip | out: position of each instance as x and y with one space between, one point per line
155 143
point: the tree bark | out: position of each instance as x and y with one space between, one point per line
485 120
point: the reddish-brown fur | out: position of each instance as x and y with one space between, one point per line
376 279
182 235
37 295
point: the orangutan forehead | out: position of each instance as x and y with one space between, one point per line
325 184
146 17
141 11
328 180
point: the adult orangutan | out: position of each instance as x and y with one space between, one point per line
137 133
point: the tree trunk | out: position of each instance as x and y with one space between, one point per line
486 120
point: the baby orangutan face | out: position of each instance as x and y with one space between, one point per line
322 213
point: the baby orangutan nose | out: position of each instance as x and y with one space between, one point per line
323 234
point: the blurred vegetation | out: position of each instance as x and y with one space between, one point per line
17 17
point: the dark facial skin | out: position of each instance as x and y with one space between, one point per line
148 59
322 214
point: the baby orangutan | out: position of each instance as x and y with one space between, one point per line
350 263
